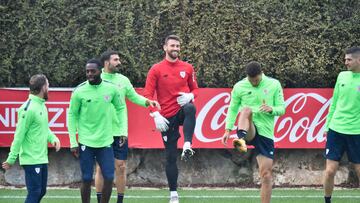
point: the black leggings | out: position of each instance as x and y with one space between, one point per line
185 117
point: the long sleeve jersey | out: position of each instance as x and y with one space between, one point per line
32 133
91 113
120 127
344 112
246 95
167 79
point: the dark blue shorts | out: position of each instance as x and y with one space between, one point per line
263 145
338 143
120 153
104 156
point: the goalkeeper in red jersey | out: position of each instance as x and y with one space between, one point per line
175 85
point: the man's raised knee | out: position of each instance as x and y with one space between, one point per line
189 108
246 111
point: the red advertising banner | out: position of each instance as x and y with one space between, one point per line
302 126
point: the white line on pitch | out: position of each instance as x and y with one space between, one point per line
185 196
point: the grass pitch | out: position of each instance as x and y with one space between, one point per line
227 195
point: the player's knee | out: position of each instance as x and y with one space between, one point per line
266 176
330 172
246 111
189 109
108 175
87 177
120 166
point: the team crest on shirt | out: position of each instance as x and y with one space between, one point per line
107 98
182 74
37 170
266 91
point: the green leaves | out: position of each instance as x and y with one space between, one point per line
301 42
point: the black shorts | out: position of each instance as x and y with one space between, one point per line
338 143
120 153
263 145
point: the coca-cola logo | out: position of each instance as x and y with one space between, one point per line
303 121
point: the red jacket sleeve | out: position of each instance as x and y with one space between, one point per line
150 86
193 83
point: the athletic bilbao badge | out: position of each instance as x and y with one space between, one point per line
107 98
182 74
37 170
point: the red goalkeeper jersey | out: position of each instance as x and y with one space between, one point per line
167 79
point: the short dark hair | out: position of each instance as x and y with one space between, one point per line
107 54
36 83
353 50
253 69
173 37
96 61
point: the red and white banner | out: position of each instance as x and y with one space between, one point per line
301 127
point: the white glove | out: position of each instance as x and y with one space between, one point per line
184 98
161 122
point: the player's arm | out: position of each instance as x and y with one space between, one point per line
150 86
194 89
24 121
279 104
53 140
333 105
233 109
231 114
134 97
120 111
73 116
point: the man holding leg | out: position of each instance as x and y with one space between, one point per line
175 85
259 99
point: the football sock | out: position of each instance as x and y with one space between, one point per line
327 199
98 196
120 198
241 133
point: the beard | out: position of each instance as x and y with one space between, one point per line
94 80
173 54
46 96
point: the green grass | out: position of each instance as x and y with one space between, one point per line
227 195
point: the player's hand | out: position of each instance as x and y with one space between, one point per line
325 133
6 165
265 108
225 137
75 151
153 103
57 145
122 140
161 122
184 98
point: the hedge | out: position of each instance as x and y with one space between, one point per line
299 42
